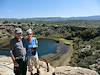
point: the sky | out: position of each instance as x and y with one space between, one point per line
48 8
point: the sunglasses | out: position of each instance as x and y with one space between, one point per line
19 33
29 34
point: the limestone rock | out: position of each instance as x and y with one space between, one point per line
6 68
68 70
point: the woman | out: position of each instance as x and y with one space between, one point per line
32 55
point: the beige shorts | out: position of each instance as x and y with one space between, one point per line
33 61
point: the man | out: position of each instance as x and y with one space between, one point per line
32 54
18 53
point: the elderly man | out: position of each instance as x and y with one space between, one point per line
18 53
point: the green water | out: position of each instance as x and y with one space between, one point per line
48 46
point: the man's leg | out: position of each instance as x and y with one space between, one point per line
17 73
24 68
17 70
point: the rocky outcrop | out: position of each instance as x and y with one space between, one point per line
6 68
68 70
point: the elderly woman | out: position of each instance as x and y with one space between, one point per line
32 55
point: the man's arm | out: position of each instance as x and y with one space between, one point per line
11 50
12 56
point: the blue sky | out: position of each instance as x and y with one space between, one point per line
48 8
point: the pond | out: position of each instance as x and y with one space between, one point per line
47 46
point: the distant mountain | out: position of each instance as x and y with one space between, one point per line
53 18
85 18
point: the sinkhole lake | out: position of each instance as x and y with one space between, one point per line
46 46
49 46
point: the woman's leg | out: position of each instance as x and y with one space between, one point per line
37 60
29 62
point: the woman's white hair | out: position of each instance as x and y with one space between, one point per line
29 31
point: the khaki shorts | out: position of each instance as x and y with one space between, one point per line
33 61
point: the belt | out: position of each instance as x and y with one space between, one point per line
20 57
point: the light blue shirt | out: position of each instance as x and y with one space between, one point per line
30 45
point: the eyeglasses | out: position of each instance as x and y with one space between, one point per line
19 33
29 34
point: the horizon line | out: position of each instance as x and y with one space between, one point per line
46 17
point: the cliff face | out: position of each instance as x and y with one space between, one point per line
6 68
